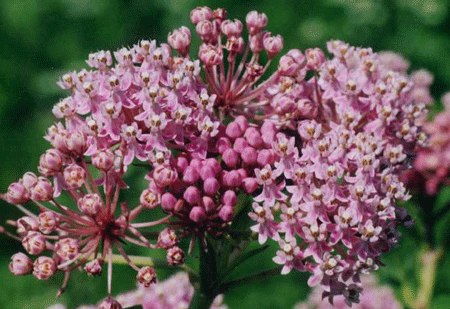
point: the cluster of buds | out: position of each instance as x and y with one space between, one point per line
432 165
318 145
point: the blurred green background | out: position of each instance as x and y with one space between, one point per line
43 39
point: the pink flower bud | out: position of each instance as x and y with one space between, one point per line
94 267
211 186
256 43
229 198
265 156
249 155
28 180
291 63
239 144
90 204
192 195
206 172
214 165
232 179
44 267
205 30
191 175
149 198
42 191
67 248
74 176
314 58
268 131
210 55
197 214
273 45
164 176
20 265
223 144
76 143
26 224
200 13
167 238
168 202
110 303
208 204
34 243
253 137
180 40
242 122
50 163
230 157
48 222
255 22
196 164
233 130
175 256
220 14
226 213
103 159
146 276
182 163
17 193
249 185
231 28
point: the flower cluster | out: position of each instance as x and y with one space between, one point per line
318 145
432 165
374 297
173 293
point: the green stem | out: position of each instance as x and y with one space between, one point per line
253 278
429 262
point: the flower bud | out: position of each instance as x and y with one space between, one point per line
197 214
239 144
253 137
192 195
182 163
256 43
210 55
42 191
208 204
50 163
211 186
200 13
180 40
168 202
146 275
164 176
205 30
34 242
90 204
103 159
229 198
231 28
233 130
230 157
110 303
28 180
226 213
175 256
20 265
206 172
167 238
242 122
94 267
44 267
214 165
67 248
48 222
26 224
273 45
314 58
150 199
74 176
223 143
249 155
232 179
249 185
255 22
76 143
17 193
291 63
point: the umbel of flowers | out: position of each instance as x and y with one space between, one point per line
318 146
